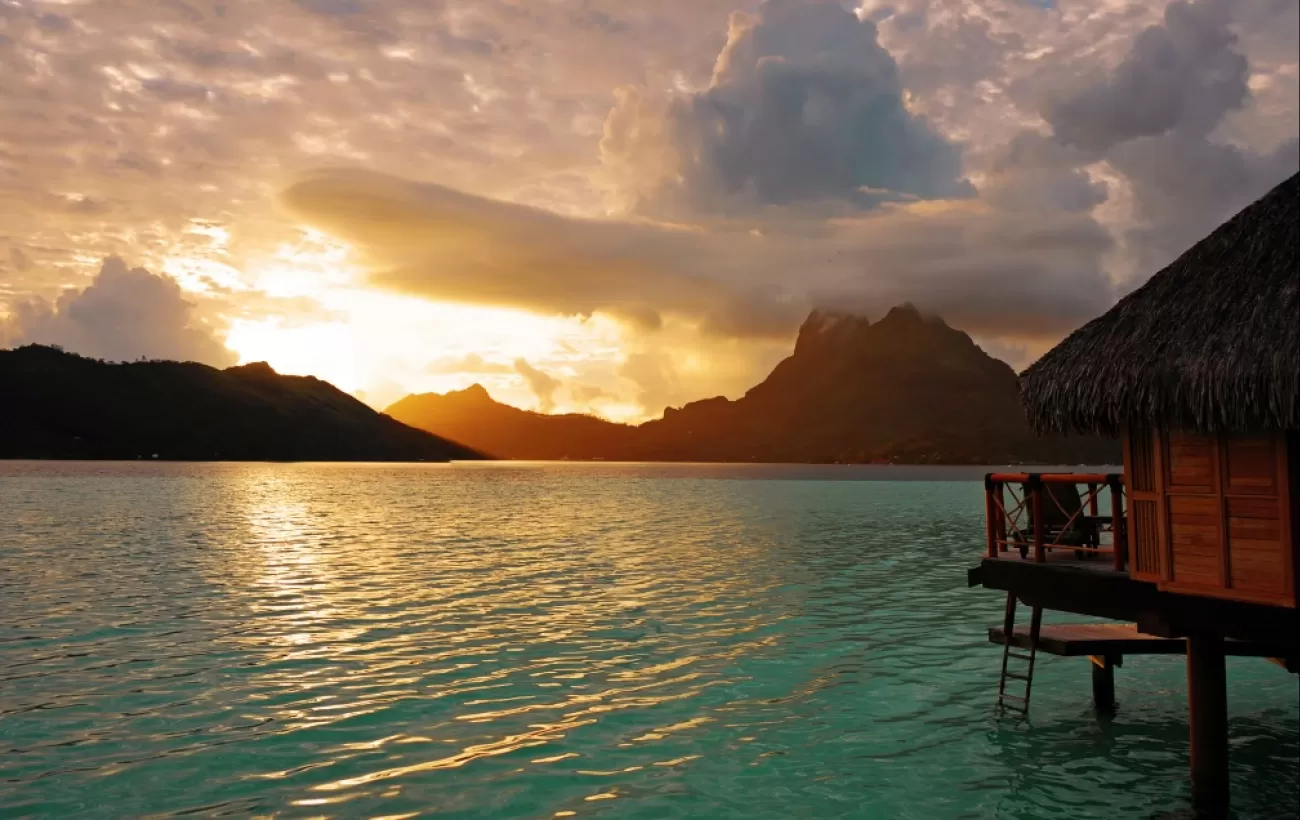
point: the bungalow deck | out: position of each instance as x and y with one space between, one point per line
1118 640
1049 546
1105 646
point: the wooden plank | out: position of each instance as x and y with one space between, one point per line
1288 472
1144 538
1139 461
1225 556
1252 507
1200 566
1192 506
1254 529
1161 453
1266 582
1243 546
1076 640
1261 577
1199 539
1252 462
1187 480
1196 549
1206 579
1259 561
1194 529
1268 566
1211 521
1211 589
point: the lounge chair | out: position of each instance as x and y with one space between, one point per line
1058 528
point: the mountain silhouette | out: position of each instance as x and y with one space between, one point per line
60 405
907 389
472 415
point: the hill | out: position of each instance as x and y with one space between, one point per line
907 389
60 405
471 417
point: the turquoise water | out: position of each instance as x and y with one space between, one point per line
484 641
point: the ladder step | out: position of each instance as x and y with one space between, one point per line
1021 656
1019 677
1005 696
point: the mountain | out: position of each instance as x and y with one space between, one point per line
907 388
471 417
60 405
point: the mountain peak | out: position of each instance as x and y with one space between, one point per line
260 369
908 313
475 392
829 329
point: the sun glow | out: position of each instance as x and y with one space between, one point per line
326 351
381 346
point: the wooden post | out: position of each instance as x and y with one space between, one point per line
1103 683
990 517
1207 701
1001 505
1036 487
1119 533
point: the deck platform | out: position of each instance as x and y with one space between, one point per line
1065 558
1117 640
1105 646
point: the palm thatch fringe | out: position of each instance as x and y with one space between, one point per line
1211 343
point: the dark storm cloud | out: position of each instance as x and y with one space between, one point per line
1182 75
1183 187
1152 120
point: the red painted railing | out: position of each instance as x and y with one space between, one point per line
1015 504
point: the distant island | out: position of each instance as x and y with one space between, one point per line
60 405
907 389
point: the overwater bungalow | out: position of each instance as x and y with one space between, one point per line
1198 373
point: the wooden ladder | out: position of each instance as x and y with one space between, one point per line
1006 700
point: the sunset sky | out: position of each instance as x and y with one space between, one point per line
609 206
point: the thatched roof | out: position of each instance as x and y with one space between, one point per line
1210 343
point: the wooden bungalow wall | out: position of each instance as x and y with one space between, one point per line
1212 515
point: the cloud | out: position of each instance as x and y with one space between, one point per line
962 260
1034 174
542 385
804 106
789 158
1153 119
123 315
656 380
1182 75
19 260
589 393
433 241
469 363
1184 186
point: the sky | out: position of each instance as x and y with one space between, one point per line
610 207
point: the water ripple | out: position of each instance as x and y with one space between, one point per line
483 641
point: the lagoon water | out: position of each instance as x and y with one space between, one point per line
565 640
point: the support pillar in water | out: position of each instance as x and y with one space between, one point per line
1207 701
1103 683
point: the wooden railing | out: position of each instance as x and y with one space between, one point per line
1019 516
